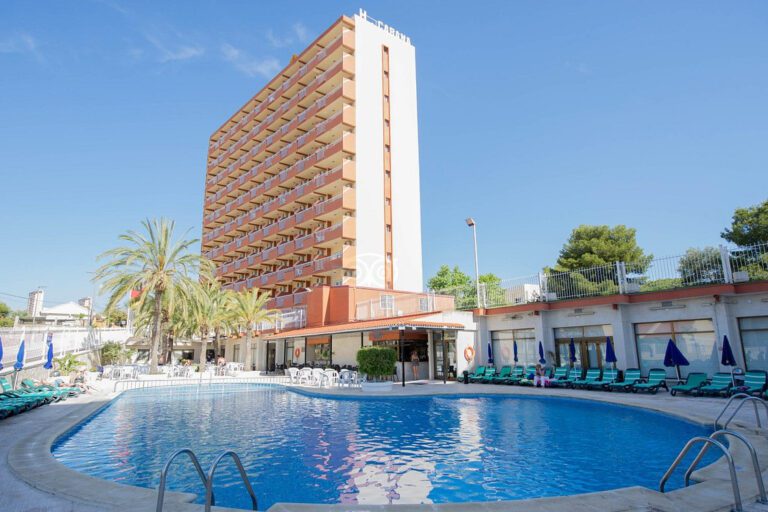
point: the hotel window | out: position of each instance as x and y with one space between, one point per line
389 228
387 149
754 341
694 338
236 353
389 257
503 347
387 302
589 341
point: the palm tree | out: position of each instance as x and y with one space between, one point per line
156 265
248 309
208 311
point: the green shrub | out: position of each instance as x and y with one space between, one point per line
377 361
68 364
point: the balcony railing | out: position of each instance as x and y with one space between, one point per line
697 267
389 305
281 89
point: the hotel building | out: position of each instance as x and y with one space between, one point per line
315 180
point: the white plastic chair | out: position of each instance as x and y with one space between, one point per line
293 374
318 377
332 376
305 376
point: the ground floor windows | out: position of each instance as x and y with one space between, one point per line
754 340
503 347
589 342
271 355
319 351
236 353
695 338
288 348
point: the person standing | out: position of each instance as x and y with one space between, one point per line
415 364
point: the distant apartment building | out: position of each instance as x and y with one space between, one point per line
314 181
86 302
35 302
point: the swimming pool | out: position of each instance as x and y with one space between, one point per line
299 448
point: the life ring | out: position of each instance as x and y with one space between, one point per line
469 354
297 352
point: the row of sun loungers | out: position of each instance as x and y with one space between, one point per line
30 396
697 384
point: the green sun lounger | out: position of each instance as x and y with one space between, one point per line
567 382
592 377
503 375
479 371
561 373
609 377
46 396
490 371
515 376
487 378
631 377
755 382
692 384
61 390
657 378
720 384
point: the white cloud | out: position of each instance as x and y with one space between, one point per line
177 52
21 43
301 32
251 66
298 34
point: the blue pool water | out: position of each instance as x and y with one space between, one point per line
298 448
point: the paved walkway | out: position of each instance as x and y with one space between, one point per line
26 438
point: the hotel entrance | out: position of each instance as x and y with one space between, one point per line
444 354
271 354
412 354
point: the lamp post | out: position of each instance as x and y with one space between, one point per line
471 223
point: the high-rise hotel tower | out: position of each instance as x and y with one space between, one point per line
315 180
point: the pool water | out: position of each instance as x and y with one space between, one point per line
298 448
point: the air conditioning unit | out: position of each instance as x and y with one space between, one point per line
741 276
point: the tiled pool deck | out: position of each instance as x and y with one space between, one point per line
31 480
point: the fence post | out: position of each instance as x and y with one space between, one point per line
725 260
543 286
621 276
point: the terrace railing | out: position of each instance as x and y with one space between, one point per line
697 267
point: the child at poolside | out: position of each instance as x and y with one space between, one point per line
540 379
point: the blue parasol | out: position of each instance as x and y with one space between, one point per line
49 356
673 357
19 364
490 353
541 354
610 355
514 349
572 351
727 359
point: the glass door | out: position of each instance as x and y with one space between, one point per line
444 359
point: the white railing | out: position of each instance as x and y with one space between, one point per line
201 379
65 340
697 267
390 305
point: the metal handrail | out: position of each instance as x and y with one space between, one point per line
747 398
164 475
243 476
708 441
752 453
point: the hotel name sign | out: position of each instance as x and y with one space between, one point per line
384 27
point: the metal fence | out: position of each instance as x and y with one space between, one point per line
697 267
65 340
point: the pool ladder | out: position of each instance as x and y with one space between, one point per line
207 481
712 441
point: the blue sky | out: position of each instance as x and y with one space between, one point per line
535 117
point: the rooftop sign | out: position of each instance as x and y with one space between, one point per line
363 14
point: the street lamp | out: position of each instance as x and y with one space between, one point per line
471 223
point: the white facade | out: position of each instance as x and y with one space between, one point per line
370 37
35 303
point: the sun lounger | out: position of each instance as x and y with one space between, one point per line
609 377
755 382
490 371
720 384
479 372
503 375
515 376
566 382
592 377
631 377
692 384
657 378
